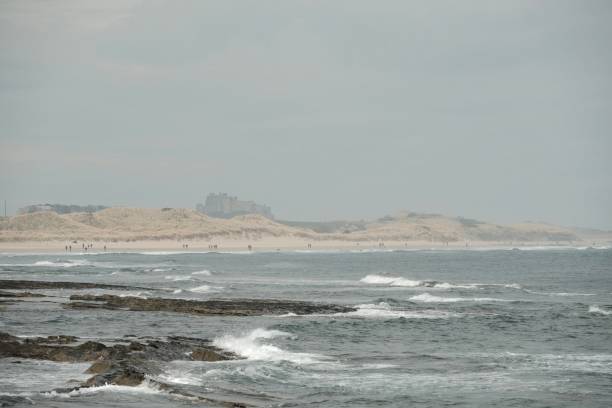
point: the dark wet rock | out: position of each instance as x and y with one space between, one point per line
213 307
19 294
122 372
99 367
54 348
115 362
61 339
88 351
200 354
27 284
12 400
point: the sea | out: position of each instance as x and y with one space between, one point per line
513 327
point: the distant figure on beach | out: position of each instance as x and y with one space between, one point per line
309 246
250 247
70 248
66 248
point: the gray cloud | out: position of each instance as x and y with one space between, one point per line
494 110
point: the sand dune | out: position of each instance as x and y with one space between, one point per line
140 224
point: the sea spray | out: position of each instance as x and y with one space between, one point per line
253 347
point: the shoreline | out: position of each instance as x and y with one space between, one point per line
274 244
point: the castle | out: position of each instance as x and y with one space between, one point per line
222 205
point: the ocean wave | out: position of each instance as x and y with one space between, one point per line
391 280
593 363
427 298
534 292
374 279
204 272
179 372
178 278
385 311
146 387
205 289
598 310
142 295
61 264
252 347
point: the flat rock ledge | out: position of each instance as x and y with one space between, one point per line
123 362
213 307
29 284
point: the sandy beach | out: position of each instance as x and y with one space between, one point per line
266 244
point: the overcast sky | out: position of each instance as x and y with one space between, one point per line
497 110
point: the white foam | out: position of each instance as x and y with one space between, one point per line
252 347
205 289
384 310
178 278
599 310
204 272
403 282
142 295
179 376
533 292
427 298
390 280
60 264
201 289
446 285
143 388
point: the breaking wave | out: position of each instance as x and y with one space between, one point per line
534 292
391 280
203 289
400 281
598 310
178 278
385 311
204 272
146 387
253 347
59 264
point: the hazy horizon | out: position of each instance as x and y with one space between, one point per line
324 111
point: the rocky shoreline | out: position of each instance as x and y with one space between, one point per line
213 307
130 361
29 284
125 361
